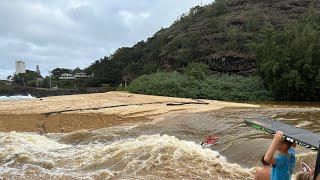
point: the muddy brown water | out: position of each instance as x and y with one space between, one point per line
167 149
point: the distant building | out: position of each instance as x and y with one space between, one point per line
39 79
20 67
75 76
67 76
81 75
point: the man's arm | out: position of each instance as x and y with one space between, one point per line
269 155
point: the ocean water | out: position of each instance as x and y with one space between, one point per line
20 97
168 149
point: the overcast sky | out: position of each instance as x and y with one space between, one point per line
74 33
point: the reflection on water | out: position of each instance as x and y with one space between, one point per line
168 149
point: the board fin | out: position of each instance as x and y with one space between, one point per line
304 167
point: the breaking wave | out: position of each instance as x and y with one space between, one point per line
32 156
8 98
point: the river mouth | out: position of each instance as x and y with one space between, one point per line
238 142
166 149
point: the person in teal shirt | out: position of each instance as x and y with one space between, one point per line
283 165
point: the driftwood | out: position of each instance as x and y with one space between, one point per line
98 108
196 101
42 129
184 103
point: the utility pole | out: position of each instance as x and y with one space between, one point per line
50 79
38 71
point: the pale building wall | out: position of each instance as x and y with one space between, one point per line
20 67
66 76
81 75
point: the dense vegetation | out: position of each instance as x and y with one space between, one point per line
224 87
27 78
288 60
194 83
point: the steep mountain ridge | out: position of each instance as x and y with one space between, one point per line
216 34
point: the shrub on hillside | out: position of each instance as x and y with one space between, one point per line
220 87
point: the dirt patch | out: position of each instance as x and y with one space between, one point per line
61 122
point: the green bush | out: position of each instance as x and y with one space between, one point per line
197 70
220 87
122 88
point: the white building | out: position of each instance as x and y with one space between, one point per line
81 75
20 67
75 76
67 76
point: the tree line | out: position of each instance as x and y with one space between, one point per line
288 60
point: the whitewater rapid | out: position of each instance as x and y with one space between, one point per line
63 156
21 97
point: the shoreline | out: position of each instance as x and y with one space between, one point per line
61 114
46 92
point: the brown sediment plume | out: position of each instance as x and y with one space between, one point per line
61 123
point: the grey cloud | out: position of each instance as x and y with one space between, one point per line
76 32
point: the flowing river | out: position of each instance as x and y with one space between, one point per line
167 149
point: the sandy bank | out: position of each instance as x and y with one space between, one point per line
86 111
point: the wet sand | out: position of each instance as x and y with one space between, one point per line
95 111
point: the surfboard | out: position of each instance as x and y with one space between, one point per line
205 145
293 134
304 167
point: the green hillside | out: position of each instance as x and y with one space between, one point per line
224 35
